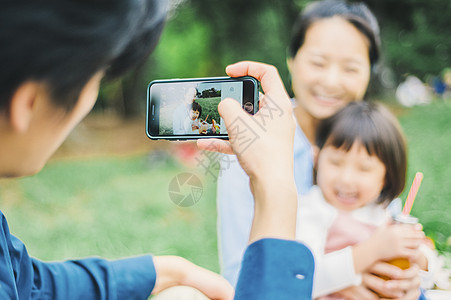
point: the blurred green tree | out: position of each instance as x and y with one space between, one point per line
203 36
416 35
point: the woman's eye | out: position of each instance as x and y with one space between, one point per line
351 70
319 64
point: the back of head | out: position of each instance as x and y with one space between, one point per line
378 130
358 14
63 43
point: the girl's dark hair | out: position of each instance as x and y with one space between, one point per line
377 129
196 106
63 43
358 14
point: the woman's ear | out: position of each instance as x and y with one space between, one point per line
21 106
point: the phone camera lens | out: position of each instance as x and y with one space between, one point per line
232 89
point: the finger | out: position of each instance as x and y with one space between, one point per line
410 254
368 295
410 273
266 74
385 269
359 293
409 295
261 100
238 123
215 145
403 285
230 110
412 232
378 285
413 294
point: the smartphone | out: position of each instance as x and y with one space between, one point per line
185 109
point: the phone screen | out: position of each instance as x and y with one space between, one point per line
188 108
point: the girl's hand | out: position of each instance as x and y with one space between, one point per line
397 240
174 270
388 242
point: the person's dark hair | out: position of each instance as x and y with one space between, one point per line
196 107
377 129
358 14
63 43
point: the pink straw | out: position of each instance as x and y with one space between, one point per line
412 193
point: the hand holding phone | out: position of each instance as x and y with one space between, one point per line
263 144
181 109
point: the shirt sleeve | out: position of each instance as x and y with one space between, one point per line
94 278
334 272
276 269
23 277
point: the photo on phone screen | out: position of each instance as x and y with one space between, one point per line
188 108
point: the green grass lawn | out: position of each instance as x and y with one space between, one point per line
428 131
120 206
110 207
209 108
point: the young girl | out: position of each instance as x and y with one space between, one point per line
360 169
191 124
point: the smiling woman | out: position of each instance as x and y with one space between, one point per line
331 69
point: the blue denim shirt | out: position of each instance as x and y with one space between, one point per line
23 277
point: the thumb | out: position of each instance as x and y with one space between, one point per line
230 110
240 125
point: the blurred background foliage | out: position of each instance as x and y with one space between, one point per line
203 36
